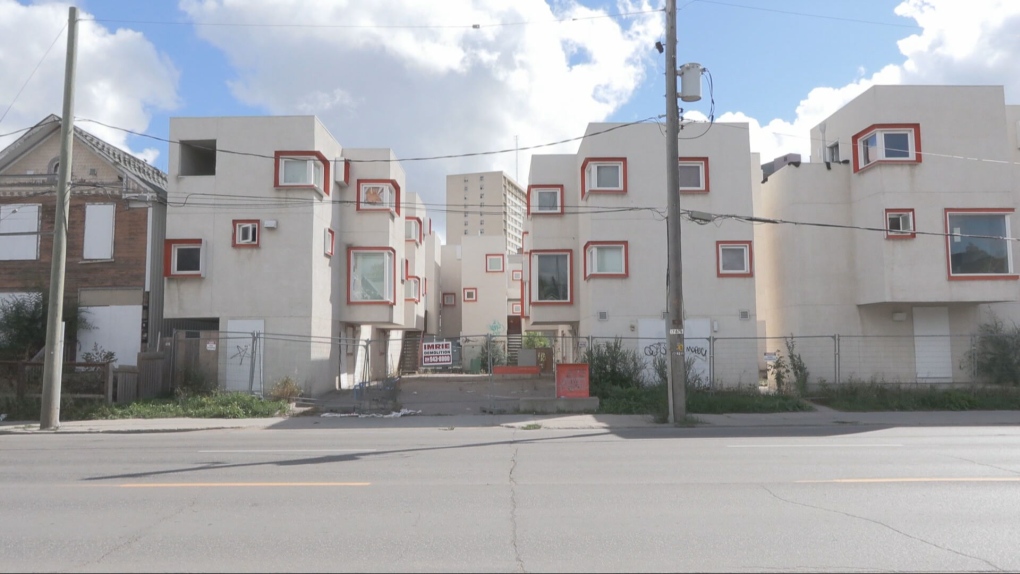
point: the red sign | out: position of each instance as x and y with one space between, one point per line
572 380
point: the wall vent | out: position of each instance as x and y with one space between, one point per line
745 315
603 315
665 315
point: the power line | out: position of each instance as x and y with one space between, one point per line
29 79
475 26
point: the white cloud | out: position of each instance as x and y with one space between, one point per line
121 77
438 86
960 43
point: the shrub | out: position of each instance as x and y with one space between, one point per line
285 389
23 329
692 377
611 365
995 355
194 382
492 349
535 340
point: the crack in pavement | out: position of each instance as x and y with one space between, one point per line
986 464
513 508
138 536
880 523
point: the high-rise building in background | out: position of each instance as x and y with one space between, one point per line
487 203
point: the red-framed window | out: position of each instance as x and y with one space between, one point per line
609 259
734 259
449 299
494 262
545 200
184 258
246 233
693 175
886 143
899 224
470 295
378 195
302 169
603 175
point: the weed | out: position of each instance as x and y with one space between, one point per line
995 355
531 426
285 389
859 396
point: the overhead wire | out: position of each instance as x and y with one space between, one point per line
32 74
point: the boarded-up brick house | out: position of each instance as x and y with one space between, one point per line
116 227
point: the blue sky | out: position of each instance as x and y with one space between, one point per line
417 78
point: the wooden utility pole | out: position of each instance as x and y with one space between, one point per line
53 366
675 303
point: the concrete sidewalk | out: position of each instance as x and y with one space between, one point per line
819 418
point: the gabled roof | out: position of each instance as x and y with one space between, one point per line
130 166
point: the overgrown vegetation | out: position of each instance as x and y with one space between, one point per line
493 353
535 340
995 356
790 372
859 396
285 389
616 376
194 382
23 328
215 405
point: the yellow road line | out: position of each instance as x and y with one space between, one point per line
234 484
889 480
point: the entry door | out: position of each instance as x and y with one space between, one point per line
242 375
933 356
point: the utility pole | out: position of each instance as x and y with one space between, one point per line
675 302
53 366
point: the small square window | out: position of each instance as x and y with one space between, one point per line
515 308
899 224
412 289
733 259
545 199
493 263
183 258
449 299
516 275
413 229
604 174
470 294
246 233
378 195
693 174
832 153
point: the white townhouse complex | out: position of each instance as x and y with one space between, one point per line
484 204
596 246
276 229
923 182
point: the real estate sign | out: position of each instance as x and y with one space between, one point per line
436 353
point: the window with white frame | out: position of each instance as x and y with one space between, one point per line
412 229
978 244
551 276
301 171
604 175
733 258
515 308
99 231
470 294
516 275
449 299
377 195
546 199
887 143
412 289
493 263
606 259
184 258
899 224
371 275
693 174
246 233
19 232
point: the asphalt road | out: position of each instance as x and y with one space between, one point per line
512 500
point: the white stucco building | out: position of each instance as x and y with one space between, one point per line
276 228
595 246
922 181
